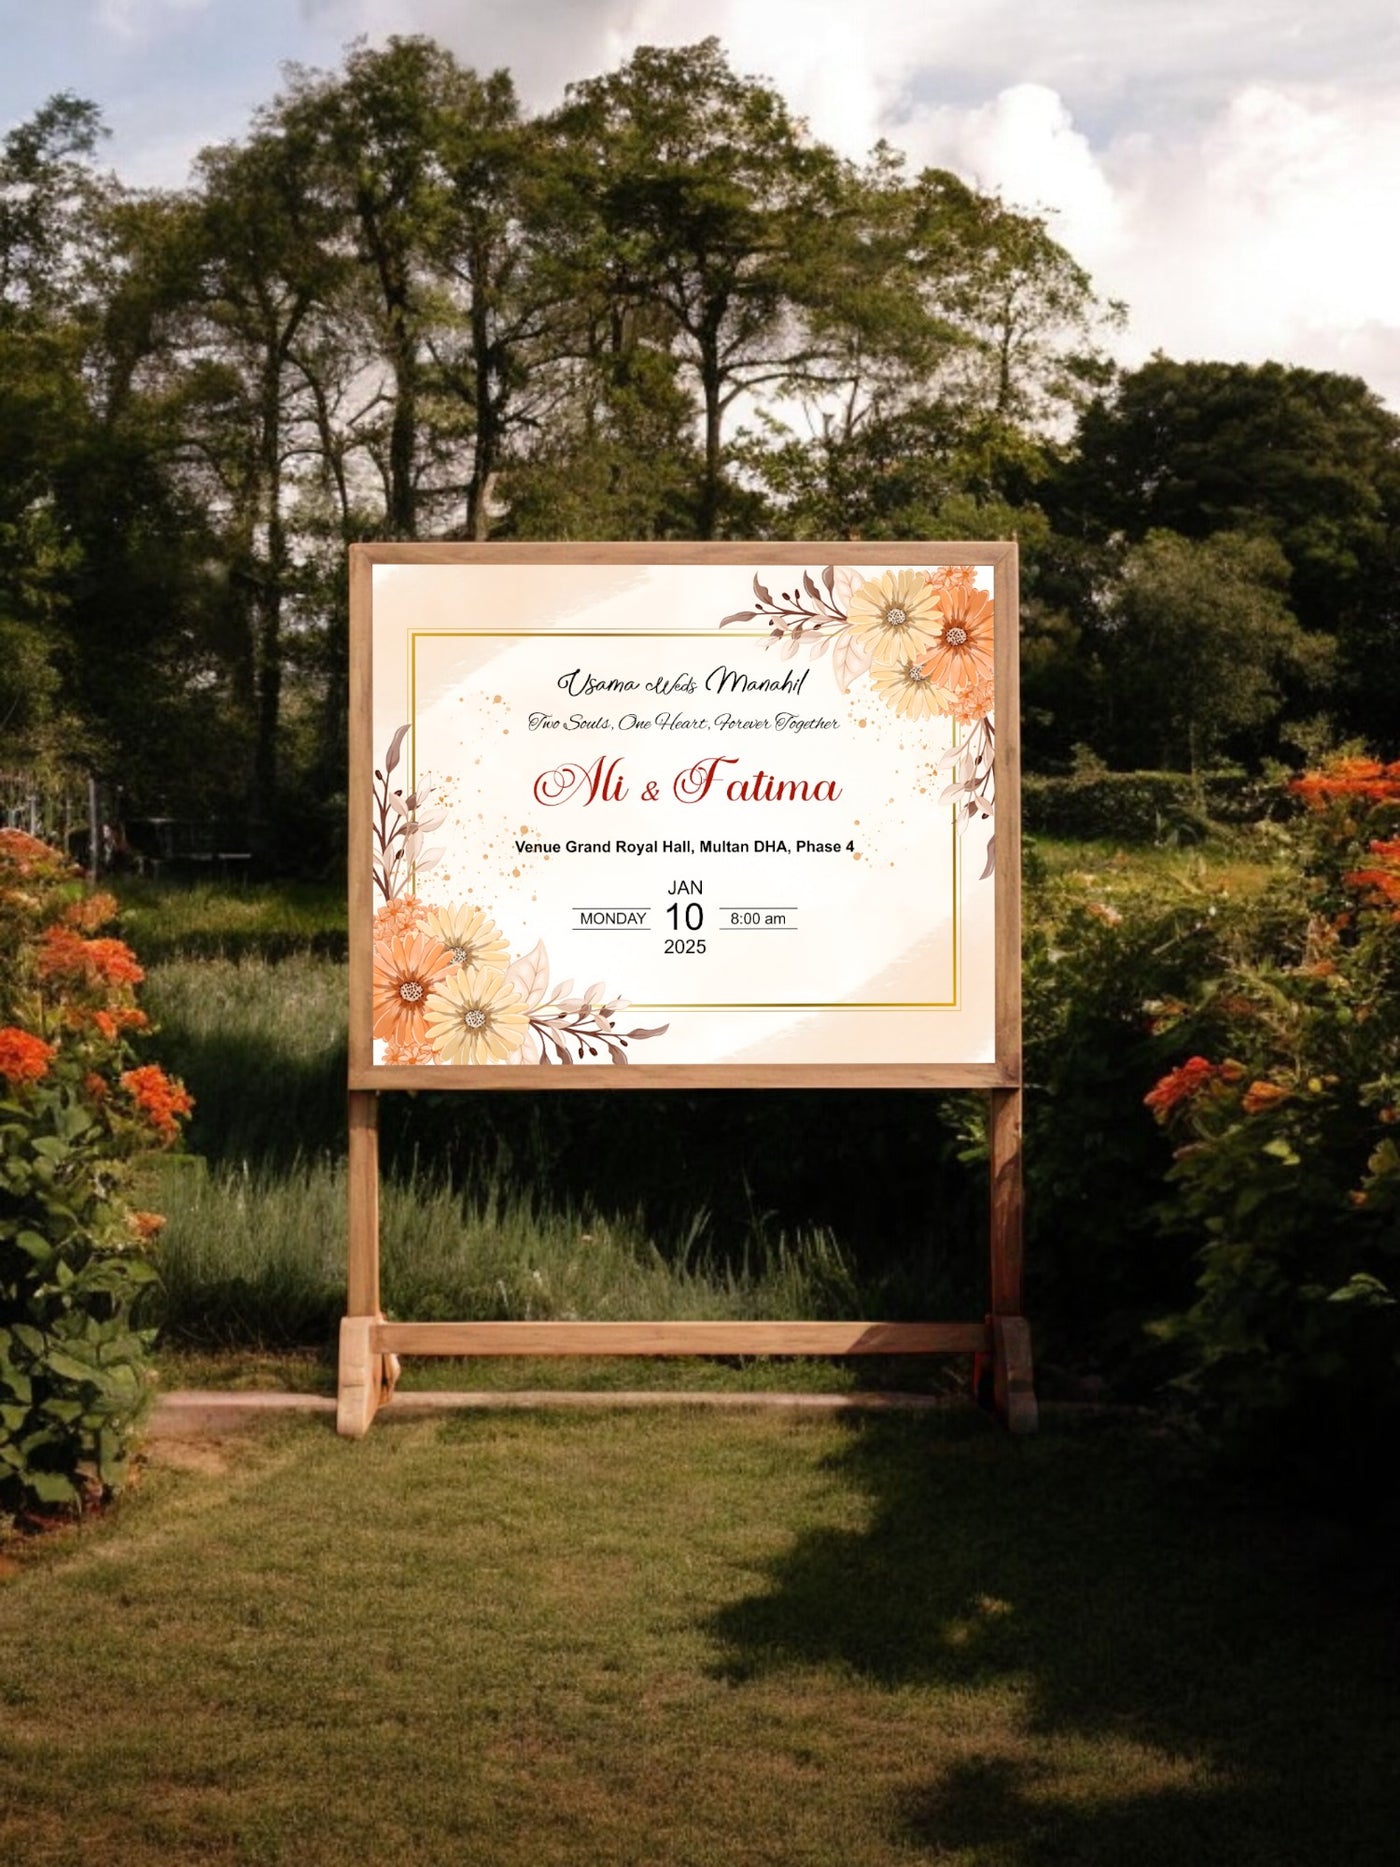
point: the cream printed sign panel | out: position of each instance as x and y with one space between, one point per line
681 813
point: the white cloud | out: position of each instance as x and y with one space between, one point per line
1228 167
1023 144
1253 234
139 19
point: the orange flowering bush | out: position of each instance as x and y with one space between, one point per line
76 1106
24 1058
1181 1084
160 1099
1287 1170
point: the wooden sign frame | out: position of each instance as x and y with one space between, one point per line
370 1346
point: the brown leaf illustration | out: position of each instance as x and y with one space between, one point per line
392 756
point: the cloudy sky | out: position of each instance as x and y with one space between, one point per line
1230 168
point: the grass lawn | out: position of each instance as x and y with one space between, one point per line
678 1639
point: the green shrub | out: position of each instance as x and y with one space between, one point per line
1287 1176
75 1110
1143 806
1105 959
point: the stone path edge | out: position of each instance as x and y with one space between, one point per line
205 1410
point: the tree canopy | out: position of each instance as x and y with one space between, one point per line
401 306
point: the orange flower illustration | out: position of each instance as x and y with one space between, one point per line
406 968
952 577
409 1053
24 1058
402 916
975 701
470 936
962 649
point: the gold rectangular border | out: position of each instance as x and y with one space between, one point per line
1004 1073
704 635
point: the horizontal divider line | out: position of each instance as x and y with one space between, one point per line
679 1338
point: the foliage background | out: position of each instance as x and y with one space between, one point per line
402 306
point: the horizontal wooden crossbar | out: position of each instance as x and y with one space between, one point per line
679 1338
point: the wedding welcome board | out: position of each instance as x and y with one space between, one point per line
651 816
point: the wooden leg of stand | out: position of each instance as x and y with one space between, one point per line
1013 1386
358 1398
362 1374
1013 1382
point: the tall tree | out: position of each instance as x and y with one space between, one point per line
52 240
1308 459
695 193
379 128
266 264
1199 632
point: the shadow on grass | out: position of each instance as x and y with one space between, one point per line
256 1103
1135 1671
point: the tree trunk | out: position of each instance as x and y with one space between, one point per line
267 718
712 384
486 445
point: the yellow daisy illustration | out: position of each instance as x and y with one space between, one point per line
907 687
896 615
476 1015
470 936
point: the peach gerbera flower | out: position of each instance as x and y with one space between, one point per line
962 647
406 968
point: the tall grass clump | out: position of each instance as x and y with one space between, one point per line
256 1258
210 920
264 1045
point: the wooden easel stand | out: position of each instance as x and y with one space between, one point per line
370 1346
